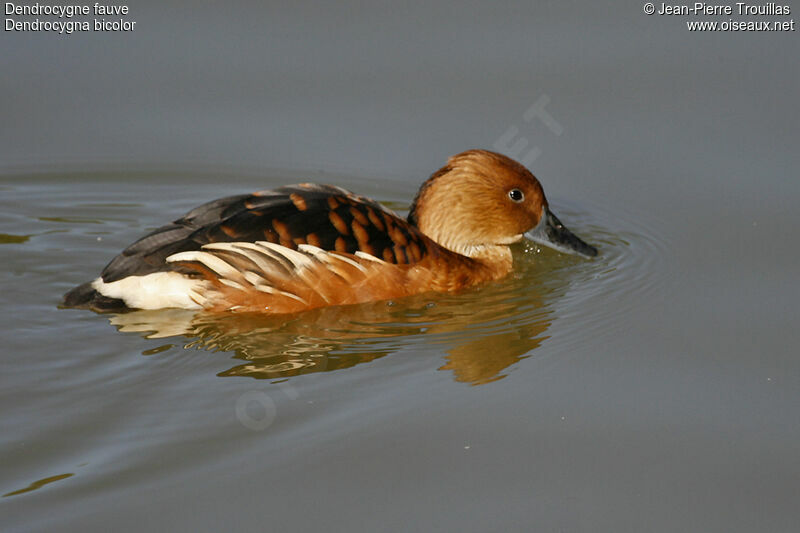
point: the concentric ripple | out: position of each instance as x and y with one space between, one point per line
633 270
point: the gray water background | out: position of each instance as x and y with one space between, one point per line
654 389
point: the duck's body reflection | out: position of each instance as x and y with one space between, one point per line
479 333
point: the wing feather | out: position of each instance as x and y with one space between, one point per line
328 218
316 277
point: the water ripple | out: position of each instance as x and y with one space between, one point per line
633 270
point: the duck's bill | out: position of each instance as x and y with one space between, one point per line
552 233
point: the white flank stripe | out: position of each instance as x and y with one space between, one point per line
254 279
311 249
211 261
232 284
273 290
368 257
350 261
300 261
256 254
275 257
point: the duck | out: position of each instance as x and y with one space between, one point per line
305 246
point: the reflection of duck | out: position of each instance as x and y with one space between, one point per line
479 333
308 246
482 360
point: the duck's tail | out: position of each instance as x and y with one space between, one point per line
85 296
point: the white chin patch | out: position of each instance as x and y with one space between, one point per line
153 291
512 240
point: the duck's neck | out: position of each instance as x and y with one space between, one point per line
489 261
497 258
485 262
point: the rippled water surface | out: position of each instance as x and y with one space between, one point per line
508 319
653 388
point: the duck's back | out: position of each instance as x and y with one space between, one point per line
326 217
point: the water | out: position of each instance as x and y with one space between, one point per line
654 388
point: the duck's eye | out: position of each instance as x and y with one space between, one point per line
516 195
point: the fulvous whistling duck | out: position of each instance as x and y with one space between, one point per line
305 246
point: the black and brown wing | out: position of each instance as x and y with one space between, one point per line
327 217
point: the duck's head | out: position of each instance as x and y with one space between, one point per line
481 198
